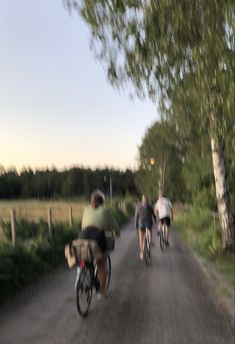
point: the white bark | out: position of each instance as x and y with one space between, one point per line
222 195
160 182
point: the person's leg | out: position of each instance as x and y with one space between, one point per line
101 265
141 242
168 223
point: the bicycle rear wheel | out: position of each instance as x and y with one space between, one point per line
84 291
108 271
147 254
162 240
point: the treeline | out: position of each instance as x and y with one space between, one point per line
182 167
74 182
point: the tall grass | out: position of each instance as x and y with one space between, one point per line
34 210
201 229
35 253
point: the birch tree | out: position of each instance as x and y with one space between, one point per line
155 45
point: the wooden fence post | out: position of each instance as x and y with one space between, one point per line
70 217
13 227
49 217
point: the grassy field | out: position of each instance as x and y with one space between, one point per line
33 210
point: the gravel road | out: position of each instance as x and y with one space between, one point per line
168 302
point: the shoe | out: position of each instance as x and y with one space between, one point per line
167 243
141 256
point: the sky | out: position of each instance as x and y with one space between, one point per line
56 105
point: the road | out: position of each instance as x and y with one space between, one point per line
166 303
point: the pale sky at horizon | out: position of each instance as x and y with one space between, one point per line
56 106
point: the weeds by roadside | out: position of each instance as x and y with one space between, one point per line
201 230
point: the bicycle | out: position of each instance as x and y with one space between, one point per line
147 247
87 280
162 236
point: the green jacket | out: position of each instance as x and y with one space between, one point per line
100 218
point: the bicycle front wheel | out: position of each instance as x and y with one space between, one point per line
84 291
147 254
162 241
108 271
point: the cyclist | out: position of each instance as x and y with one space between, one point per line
144 218
164 211
97 220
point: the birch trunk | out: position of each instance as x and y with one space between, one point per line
160 182
222 193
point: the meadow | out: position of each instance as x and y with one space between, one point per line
35 210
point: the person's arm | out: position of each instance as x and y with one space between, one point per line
154 215
171 214
156 210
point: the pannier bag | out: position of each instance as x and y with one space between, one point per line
84 249
69 255
81 249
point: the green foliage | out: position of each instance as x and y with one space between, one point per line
205 199
122 209
75 182
162 144
181 53
31 258
201 229
26 230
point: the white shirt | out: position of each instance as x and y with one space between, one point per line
163 206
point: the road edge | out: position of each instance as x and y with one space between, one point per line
224 293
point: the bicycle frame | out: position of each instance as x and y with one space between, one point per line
147 253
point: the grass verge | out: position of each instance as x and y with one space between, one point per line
201 231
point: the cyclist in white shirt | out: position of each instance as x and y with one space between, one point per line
164 211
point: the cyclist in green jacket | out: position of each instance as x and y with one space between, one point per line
97 220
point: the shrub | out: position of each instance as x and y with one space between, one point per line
31 258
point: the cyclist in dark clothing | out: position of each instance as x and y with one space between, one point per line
144 218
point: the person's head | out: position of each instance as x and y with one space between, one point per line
97 198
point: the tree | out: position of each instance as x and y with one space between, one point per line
160 158
156 45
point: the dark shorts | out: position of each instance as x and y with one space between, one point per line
166 220
143 226
95 234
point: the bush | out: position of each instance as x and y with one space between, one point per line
201 231
25 230
31 258
205 199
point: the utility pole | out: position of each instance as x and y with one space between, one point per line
110 188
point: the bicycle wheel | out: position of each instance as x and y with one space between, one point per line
108 270
162 240
84 291
147 254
